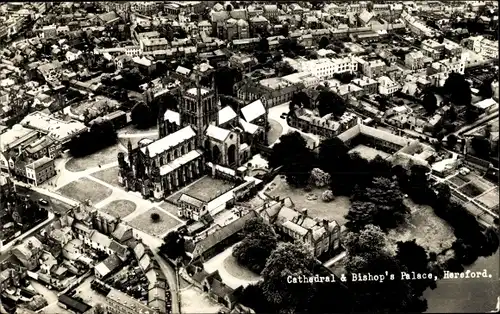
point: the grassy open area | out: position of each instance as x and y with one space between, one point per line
119 208
144 223
104 156
205 189
490 199
274 132
109 176
171 208
316 208
84 189
430 231
368 153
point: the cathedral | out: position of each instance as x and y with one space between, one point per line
200 131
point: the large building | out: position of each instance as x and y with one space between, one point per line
200 132
487 48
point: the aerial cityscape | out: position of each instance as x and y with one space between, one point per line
164 157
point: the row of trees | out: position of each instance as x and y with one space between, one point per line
145 115
100 135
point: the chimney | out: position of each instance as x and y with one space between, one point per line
304 212
325 223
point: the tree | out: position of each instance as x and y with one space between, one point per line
323 42
288 260
333 156
414 258
451 141
263 45
329 102
380 204
481 146
366 253
485 90
141 115
258 243
319 178
297 165
155 217
459 89
173 245
284 30
429 102
418 184
300 99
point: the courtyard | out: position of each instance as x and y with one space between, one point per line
316 208
86 189
369 153
204 189
104 156
119 208
144 223
232 274
194 300
135 140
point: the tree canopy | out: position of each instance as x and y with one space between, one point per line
329 102
429 102
258 243
459 89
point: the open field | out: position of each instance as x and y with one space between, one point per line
109 176
368 153
104 156
430 231
144 223
119 208
205 189
316 208
86 189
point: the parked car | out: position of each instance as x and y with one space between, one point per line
43 202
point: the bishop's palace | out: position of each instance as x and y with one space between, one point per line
198 134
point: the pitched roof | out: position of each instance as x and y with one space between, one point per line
122 233
217 133
226 114
191 200
248 127
220 235
253 111
172 116
171 140
176 163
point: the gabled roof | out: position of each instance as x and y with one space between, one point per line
172 116
220 235
217 133
226 114
253 111
171 140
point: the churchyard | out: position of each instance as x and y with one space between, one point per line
204 189
144 223
109 175
101 157
119 208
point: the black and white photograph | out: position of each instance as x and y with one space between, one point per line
254 157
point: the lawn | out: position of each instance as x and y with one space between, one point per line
86 189
104 156
458 181
205 189
368 152
274 132
471 190
236 270
316 208
430 231
490 199
171 208
144 223
109 176
135 140
119 208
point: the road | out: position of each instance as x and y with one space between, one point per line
482 120
172 280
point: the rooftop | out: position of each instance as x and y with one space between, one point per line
171 140
124 299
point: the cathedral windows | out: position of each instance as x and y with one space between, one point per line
169 157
